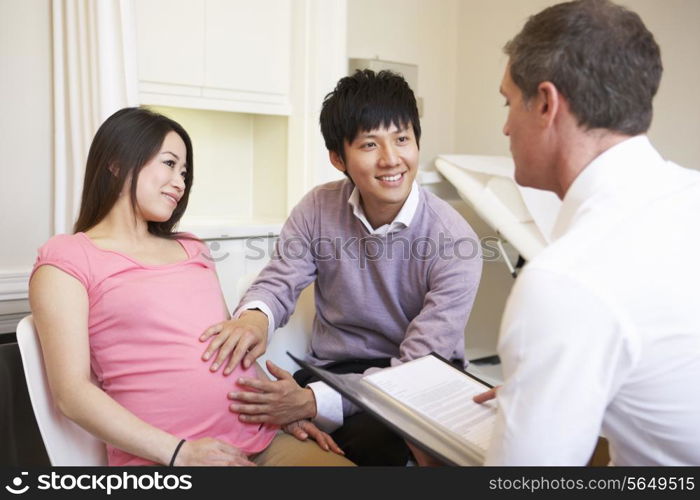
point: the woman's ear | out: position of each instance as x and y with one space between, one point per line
114 169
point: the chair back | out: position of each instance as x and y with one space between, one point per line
67 444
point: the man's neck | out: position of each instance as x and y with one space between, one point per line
381 214
580 149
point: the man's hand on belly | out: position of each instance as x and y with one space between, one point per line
277 402
234 340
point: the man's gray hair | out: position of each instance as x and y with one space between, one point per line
599 55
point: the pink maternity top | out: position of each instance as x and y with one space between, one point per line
144 325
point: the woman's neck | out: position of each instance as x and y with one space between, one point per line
121 223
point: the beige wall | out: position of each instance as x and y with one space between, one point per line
486 26
457 45
25 131
676 126
421 32
479 111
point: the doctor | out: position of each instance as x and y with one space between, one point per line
601 333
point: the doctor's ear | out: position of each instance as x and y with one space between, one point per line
548 101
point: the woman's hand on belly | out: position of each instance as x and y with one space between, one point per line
210 451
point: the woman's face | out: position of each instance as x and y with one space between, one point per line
161 182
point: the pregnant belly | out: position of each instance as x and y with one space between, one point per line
185 399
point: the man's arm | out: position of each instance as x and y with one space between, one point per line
275 292
564 353
439 327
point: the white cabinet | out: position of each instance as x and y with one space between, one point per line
248 46
169 48
240 170
246 79
229 55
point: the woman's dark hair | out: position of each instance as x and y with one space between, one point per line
366 101
599 55
123 144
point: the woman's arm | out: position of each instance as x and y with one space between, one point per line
59 305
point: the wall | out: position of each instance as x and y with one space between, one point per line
486 26
417 32
676 125
25 129
457 45
25 144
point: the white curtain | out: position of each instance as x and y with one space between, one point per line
94 75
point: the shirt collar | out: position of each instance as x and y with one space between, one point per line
612 172
403 218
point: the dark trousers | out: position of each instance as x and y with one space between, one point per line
364 439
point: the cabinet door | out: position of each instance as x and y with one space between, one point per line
170 41
248 46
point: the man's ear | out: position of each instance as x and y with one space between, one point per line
549 102
337 161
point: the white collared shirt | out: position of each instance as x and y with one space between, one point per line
402 220
602 329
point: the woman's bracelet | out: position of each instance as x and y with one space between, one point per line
177 449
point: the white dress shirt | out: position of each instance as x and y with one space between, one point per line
329 403
601 333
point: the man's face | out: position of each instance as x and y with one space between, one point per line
382 163
522 128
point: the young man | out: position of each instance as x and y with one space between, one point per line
601 332
395 269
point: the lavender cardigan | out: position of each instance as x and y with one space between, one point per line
398 296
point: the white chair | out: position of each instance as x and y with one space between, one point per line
295 336
67 444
